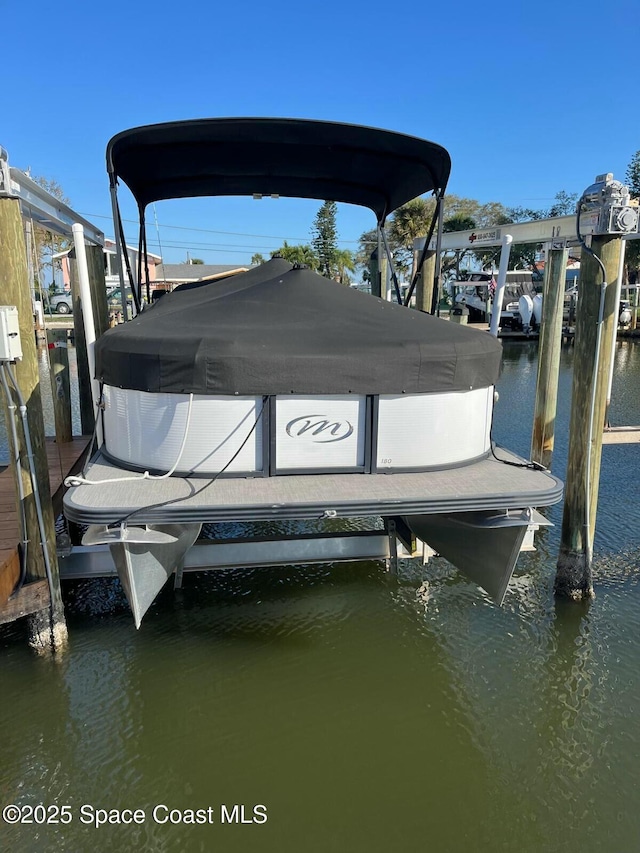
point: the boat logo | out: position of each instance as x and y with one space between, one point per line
313 426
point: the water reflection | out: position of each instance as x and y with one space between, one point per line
540 685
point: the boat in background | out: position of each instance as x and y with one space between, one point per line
530 310
521 303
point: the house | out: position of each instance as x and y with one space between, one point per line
169 276
162 277
111 276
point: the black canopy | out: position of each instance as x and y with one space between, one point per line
278 329
289 157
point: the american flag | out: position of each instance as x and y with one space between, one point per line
492 287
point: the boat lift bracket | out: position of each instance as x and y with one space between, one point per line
37 204
90 561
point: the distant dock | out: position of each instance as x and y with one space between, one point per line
621 435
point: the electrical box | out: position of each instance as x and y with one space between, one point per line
10 347
606 208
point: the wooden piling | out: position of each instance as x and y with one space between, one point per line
424 285
374 274
29 237
549 346
48 628
95 263
383 267
60 383
574 569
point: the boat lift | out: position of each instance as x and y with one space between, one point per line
609 200
40 206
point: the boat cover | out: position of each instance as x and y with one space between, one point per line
280 329
299 158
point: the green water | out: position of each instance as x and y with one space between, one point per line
365 713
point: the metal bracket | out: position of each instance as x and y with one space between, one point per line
102 534
561 243
405 534
392 560
43 208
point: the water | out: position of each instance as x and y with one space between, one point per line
366 713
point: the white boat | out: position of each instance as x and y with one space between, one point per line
277 393
521 303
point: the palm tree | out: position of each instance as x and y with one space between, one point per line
409 221
301 254
344 262
453 260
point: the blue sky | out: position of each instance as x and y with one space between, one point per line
529 99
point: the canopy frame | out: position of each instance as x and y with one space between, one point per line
367 166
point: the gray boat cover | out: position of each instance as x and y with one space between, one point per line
280 329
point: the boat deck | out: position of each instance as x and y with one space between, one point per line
484 485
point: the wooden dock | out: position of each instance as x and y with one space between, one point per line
64 322
621 435
63 459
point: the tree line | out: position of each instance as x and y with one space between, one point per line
407 223
632 253
461 214
322 253
412 220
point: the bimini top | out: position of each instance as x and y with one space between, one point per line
298 158
280 329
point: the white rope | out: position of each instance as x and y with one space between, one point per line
81 481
